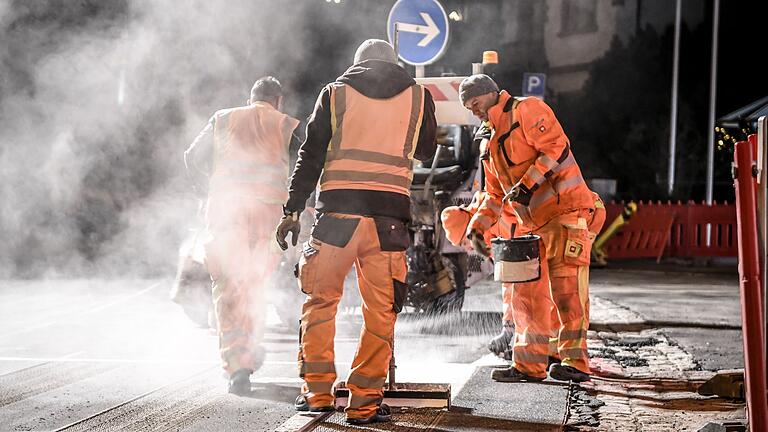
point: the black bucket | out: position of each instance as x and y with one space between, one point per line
516 259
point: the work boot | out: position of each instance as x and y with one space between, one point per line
383 414
511 374
562 372
302 404
240 382
500 345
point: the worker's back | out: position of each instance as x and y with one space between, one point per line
251 151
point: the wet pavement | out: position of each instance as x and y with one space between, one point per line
119 355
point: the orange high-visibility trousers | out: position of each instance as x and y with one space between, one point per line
241 256
565 247
380 274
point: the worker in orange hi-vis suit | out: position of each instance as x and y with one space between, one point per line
530 166
241 158
366 129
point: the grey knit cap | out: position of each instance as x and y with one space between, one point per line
375 49
476 85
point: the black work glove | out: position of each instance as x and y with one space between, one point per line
478 243
288 224
520 194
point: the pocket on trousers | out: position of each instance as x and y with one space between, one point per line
399 270
334 231
578 246
393 234
307 266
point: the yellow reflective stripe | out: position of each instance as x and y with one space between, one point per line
414 124
320 387
317 367
360 176
363 381
566 335
338 107
368 156
363 401
525 357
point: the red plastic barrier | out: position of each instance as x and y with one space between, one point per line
750 284
646 235
687 234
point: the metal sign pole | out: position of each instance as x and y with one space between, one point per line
673 116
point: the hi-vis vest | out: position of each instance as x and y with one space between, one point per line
373 140
251 151
528 145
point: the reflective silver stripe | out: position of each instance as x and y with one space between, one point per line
534 174
368 156
532 338
320 387
547 162
573 353
317 367
360 176
573 334
524 357
542 194
416 111
568 162
339 107
375 383
362 401
569 182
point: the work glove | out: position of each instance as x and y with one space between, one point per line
478 243
288 224
520 194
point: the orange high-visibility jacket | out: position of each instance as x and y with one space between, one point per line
251 151
528 145
373 140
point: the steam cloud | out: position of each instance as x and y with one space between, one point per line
98 100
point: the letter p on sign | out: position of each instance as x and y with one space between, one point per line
534 84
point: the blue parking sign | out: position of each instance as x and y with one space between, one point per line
534 84
422 30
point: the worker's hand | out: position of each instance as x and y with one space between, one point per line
478 243
520 194
288 224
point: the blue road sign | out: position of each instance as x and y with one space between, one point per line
534 84
422 30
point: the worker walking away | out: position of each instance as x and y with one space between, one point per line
241 160
530 166
365 131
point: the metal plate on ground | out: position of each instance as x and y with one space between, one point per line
415 395
403 419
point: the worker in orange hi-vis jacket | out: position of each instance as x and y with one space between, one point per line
242 159
366 129
529 166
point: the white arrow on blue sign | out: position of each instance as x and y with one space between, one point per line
423 30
